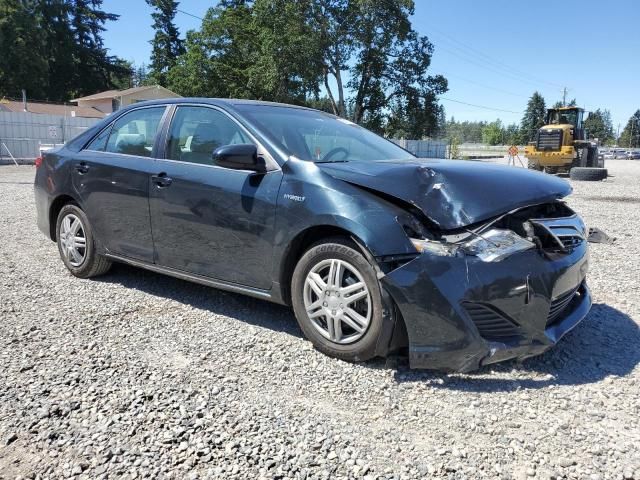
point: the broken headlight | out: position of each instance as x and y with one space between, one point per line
490 246
496 244
441 249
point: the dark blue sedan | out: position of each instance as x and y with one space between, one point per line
459 263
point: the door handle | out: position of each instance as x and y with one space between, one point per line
82 168
161 180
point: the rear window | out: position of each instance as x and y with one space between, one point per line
135 132
132 134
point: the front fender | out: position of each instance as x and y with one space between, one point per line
310 198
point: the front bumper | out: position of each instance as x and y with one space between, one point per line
462 313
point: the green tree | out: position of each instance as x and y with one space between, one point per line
166 44
630 137
466 132
600 126
123 75
559 104
248 50
390 63
61 51
140 75
54 49
512 134
288 67
492 133
23 62
95 70
362 54
414 117
533 117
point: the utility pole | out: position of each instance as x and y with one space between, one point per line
564 96
633 124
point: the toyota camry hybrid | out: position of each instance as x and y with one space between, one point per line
460 264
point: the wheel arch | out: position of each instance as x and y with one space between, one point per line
301 242
54 210
394 332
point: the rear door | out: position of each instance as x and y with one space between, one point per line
206 219
111 176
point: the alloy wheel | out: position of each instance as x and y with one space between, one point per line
337 301
73 240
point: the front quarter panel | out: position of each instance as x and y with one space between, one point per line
311 198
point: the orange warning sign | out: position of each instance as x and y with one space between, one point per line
513 150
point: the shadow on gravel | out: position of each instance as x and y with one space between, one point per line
247 309
606 343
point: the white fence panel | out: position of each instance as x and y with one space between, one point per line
424 148
23 132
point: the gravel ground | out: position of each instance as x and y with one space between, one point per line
139 375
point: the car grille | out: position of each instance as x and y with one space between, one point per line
490 323
570 242
549 140
559 304
560 234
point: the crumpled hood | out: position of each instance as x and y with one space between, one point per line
453 193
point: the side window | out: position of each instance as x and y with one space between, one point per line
197 131
135 132
100 142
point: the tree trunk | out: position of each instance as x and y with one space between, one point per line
329 92
341 107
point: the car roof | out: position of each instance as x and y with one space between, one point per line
223 102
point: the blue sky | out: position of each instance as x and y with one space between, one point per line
494 53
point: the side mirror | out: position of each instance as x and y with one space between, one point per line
239 157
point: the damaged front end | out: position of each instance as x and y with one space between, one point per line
508 287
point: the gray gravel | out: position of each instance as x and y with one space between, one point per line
139 375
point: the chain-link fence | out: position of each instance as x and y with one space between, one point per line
22 134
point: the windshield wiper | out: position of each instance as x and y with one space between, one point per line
332 161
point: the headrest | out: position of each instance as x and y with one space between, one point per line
130 143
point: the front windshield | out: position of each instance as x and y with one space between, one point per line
563 117
320 137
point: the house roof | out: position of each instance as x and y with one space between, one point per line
99 96
50 109
121 93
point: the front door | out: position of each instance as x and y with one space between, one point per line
206 219
111 176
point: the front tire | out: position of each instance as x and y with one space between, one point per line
337 301
76 244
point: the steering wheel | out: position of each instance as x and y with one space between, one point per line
335 151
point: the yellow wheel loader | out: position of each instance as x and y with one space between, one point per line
561 146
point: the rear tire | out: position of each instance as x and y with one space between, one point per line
588 174
337 326
76 244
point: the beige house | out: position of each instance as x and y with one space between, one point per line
16 106
113 100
